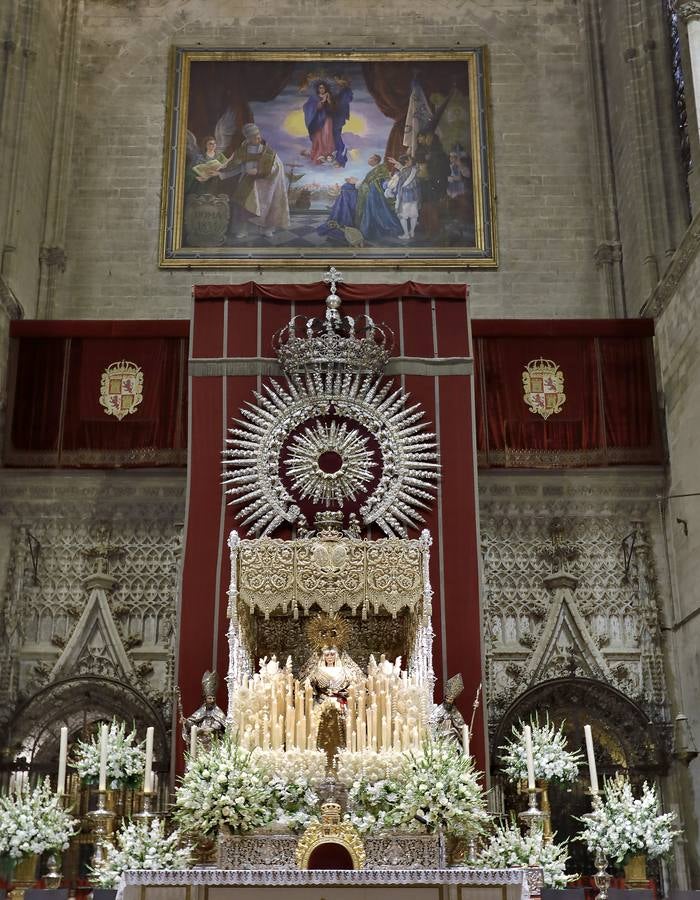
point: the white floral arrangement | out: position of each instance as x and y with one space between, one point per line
552 758
126 758
141 845
509 848
624 825
436 787
227 785
370 765
33 820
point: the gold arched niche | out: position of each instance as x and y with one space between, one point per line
330 830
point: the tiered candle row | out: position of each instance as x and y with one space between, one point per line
275 711
385 711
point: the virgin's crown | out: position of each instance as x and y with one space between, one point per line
334 343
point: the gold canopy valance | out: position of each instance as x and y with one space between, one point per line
331 571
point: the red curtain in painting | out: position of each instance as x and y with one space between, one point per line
212 94
234 321
390 84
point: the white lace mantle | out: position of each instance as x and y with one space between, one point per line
325 877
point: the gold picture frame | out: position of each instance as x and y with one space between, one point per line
286 157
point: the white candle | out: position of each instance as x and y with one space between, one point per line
465 739
148 769
103 758
193 743
527 736
62 759
591 758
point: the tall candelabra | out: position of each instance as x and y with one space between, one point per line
602 877
102 820
532 816
147 814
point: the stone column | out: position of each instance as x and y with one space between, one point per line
689 28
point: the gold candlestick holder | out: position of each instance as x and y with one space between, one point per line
102 823
532 816
147 814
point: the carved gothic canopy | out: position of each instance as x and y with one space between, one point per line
331 572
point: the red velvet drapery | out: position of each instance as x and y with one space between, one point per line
238 321
56 416
609 415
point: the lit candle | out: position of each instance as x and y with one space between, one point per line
465 739
591 758
62 759
148 768
103 758
527 736
193 743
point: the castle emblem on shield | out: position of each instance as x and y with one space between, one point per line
543 385
121 388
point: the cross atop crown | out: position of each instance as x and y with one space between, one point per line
333 277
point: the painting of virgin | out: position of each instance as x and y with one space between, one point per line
275 158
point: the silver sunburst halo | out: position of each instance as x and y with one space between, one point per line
354 456
408 452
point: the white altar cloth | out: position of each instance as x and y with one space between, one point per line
325 884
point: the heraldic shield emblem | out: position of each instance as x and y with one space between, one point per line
121 388
543 383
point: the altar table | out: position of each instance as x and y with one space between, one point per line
323 884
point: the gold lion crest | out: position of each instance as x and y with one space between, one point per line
121 388
543 385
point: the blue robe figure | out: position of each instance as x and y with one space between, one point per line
342 215
325 113
375 216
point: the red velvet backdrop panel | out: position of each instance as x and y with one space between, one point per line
239 321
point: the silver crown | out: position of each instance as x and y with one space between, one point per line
334 343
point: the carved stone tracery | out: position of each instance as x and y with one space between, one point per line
596 621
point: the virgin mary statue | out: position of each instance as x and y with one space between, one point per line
330 672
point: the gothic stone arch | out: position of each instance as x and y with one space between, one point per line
624 736
76 702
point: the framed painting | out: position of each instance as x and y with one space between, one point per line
282 158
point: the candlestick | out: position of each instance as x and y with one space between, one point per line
465 740
532 816
193 743
103 758
593 772
527 736
602 878
102 818
147 813
62 760
148 768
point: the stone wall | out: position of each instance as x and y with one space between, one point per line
678 352
539 134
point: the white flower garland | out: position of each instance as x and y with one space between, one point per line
245 790
624 825
434 788
552 758
141 846
126 759
32 820
508 848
